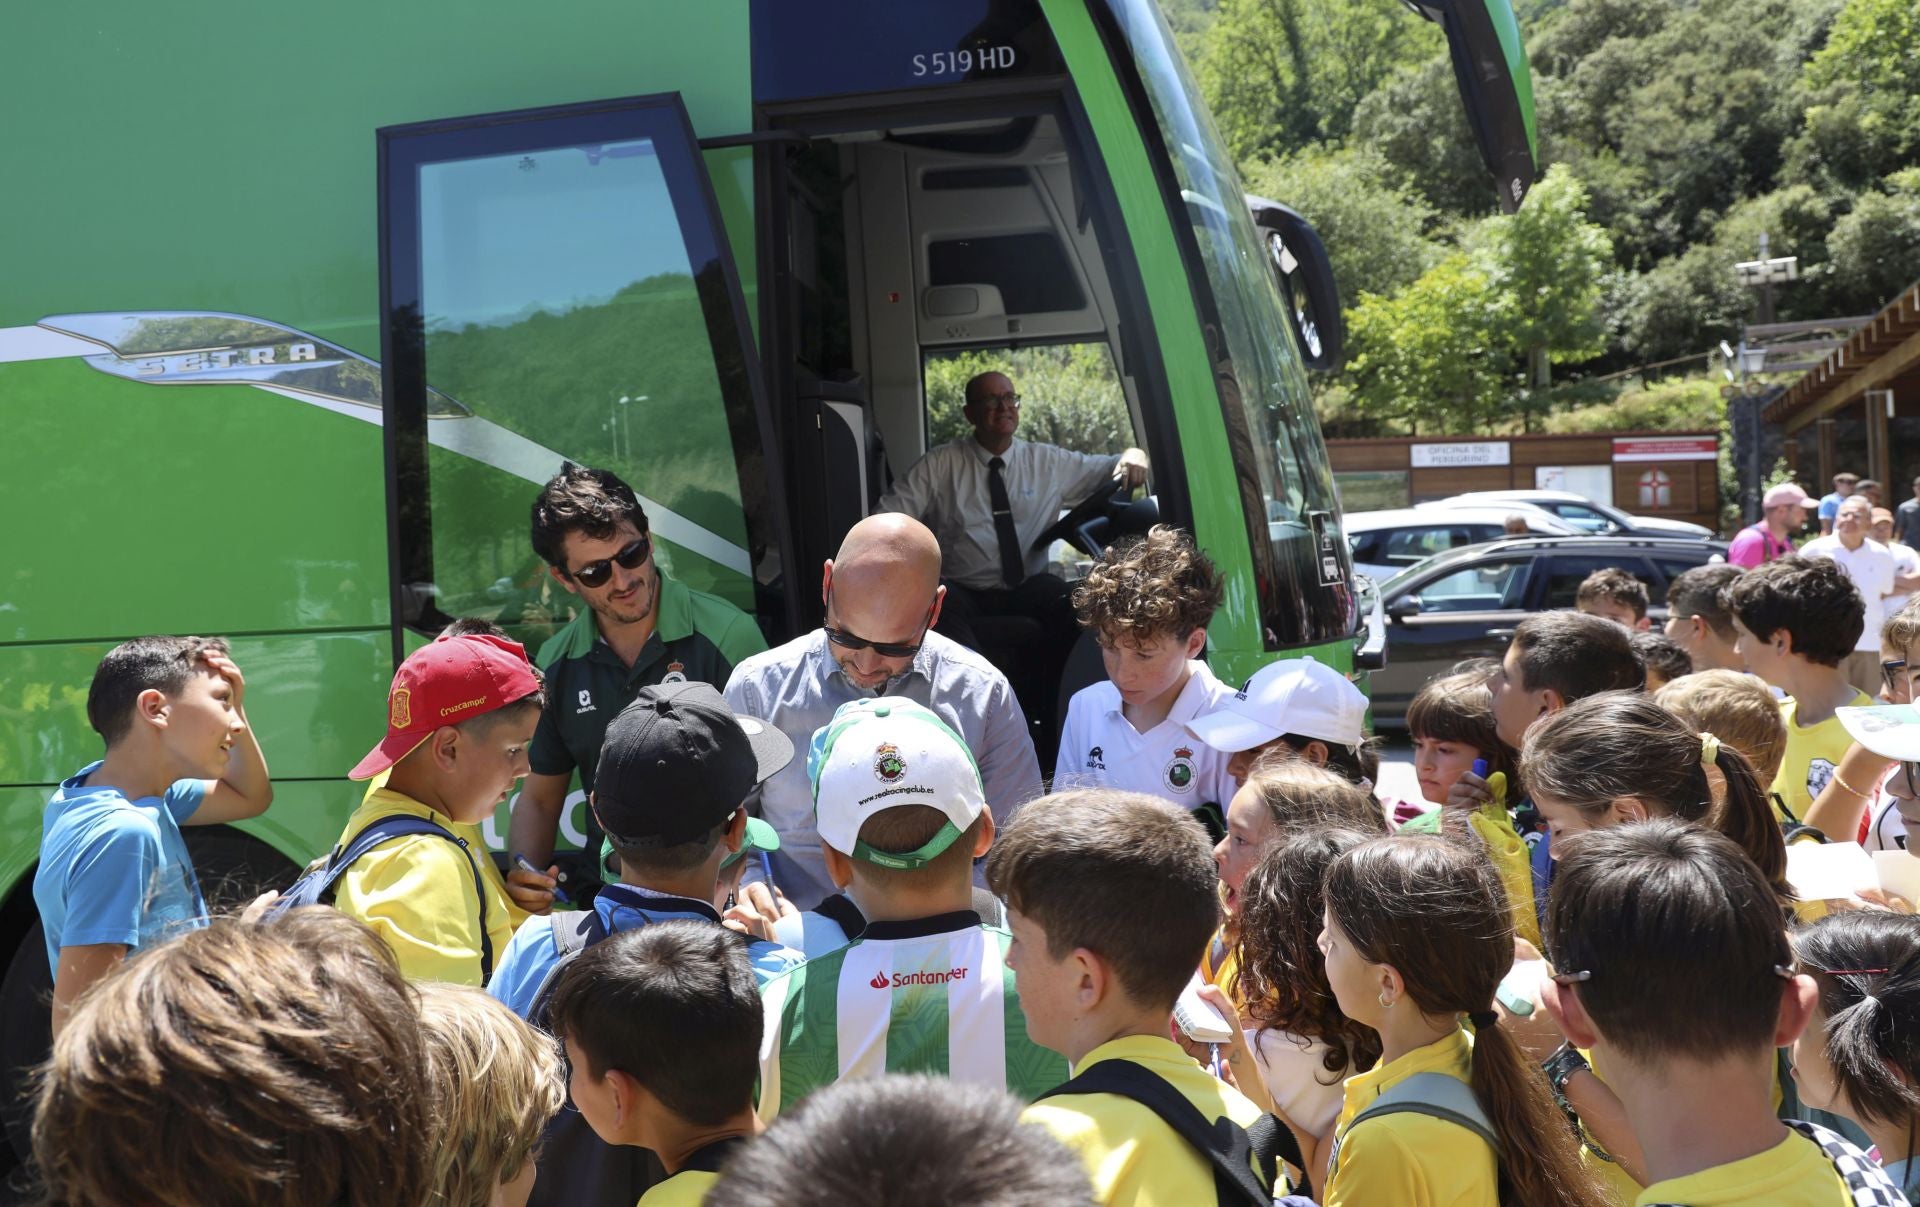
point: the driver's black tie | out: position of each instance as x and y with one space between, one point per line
1013 567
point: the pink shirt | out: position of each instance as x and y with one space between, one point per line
1754 544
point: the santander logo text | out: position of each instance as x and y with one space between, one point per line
882 981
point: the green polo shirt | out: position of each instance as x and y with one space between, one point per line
697 637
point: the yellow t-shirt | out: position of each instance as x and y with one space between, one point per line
1132 1155
417 893
1510 858
1813 751
1793 1173
1221 966
1409 1159
688 1188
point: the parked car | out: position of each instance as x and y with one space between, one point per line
1586 515
1386 542
1466 603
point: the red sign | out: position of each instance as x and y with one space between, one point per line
1666 448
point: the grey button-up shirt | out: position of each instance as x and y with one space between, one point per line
796 688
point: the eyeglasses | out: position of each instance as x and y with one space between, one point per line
631 556
998 400
886 649
1890 673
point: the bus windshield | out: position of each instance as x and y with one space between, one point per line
1286 484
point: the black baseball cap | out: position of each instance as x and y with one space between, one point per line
677 762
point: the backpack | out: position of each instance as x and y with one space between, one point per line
1227 1146
576 1167
1866 1181
317 884
1433 1094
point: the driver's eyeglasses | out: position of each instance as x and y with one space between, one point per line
886 649
998 400
630 557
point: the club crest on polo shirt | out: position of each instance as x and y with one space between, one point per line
1179 771
676 673
888 766
1096 759
400 709
586 703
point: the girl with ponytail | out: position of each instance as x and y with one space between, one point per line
1619 757
1417 938
1860 1054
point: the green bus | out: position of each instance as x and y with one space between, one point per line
293 322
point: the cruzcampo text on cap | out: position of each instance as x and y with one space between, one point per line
445 682
1293 696
677 762
879 754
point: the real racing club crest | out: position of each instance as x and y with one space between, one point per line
1179 771
888 766
676 673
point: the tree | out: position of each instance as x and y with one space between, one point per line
1863 90
1546 263
1433 355
1374 226
1876 247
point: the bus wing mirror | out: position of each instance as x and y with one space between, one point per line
1300 265
1496 86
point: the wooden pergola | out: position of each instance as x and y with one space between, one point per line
1873 377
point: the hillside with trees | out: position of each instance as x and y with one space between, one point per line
1672 134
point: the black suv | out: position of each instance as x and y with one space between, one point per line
1465 603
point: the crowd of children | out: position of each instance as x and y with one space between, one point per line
1213 964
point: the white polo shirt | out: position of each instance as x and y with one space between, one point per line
948 491
1871 567
1907 563
1100 748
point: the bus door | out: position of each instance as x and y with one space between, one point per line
556 285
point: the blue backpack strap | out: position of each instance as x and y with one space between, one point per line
573 932
1433 1094
317 886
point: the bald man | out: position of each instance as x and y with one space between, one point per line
883 596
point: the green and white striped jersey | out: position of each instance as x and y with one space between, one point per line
933 995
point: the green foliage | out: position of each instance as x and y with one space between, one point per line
1863 115
1430 357
1069 395
1374 226
1674 405
1876 247
1545 263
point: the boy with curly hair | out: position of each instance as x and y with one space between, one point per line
1148 604
1615 595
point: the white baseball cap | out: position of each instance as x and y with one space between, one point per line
1891 731
879 754
1293 696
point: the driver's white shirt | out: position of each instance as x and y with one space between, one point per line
947 491
1100 748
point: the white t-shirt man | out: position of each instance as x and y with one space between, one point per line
1871 567
1906 563
1100 748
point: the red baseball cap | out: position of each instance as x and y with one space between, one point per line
452 680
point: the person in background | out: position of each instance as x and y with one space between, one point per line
1906 519
1844 485
882 593
1798 618
1613 594
1869 488
1297 706
1906 562
894 1140
496 1082
1147 603
639 627
115 874
1874 574
988 496
1663 658
1514 525
1783 512
1699 622
1859 1056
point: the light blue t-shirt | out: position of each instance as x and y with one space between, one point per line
518 974
812 934
114 870
1829 506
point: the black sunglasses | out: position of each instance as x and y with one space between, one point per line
630 557
886 649
1890 673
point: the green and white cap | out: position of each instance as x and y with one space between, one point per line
759 837
882 753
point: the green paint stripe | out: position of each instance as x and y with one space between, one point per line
1507 25
1219 527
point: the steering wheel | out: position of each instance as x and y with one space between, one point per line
1101 505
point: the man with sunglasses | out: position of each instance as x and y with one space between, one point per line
639 628
883 596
